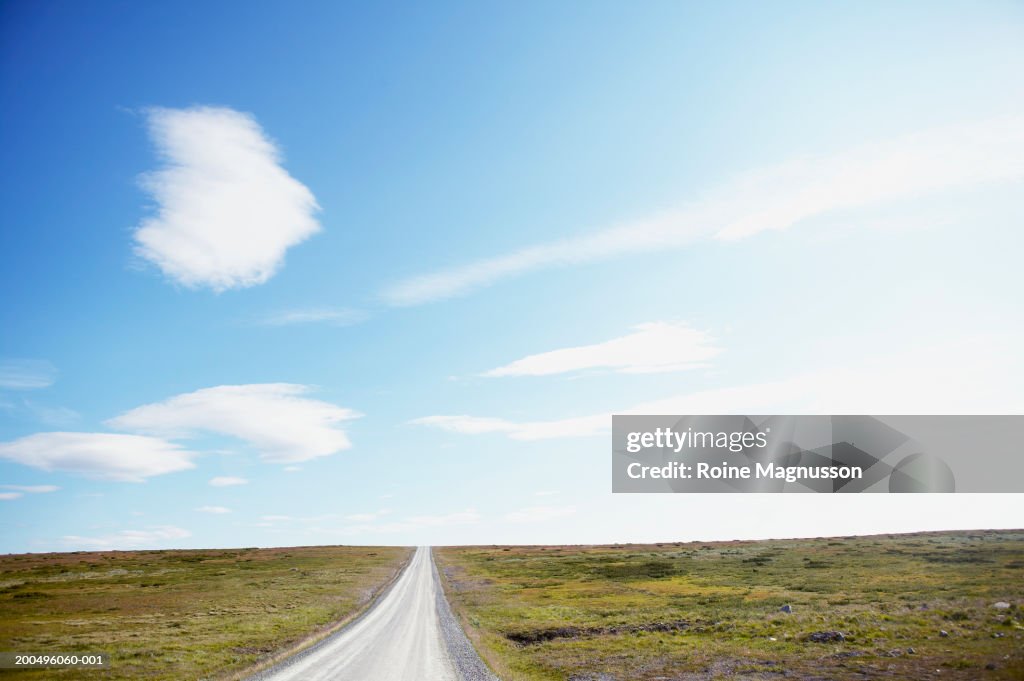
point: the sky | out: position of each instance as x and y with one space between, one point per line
361 274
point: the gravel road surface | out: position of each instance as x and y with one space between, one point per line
410 634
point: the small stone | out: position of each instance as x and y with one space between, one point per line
943 633
911 651
1001 605
826 637
787 608
990 666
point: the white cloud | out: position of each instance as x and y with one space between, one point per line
54 417
217 510
654 347
536 514
292 469
522 430
977 375
10 496
26 374
413 523
773 198
272 417
342 316
32 489
129 539
226 210
109 456
227 481
367 517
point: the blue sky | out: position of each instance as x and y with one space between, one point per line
393 266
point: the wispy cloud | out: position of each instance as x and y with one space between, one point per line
928 380
216 510
274 418
10 496
468 516
536 514
518 430
655 347
227 481
32 489
26 374
341 316
109 456
773 198
226 210
129 539
54 417
367 517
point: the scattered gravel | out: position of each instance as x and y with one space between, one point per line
467 662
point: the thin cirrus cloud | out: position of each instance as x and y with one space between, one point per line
226 211
129 539
106 456
26 374
537 514
927 380
227 481
31 489
654 347
274 418
333 316
215 510
772 198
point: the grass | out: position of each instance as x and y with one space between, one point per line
713 610
182 614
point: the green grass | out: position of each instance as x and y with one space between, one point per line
182 614
712 610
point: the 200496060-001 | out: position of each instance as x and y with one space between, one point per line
9 660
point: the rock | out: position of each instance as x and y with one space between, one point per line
1001 605
826 637
943 633
787 608
911 651
990 666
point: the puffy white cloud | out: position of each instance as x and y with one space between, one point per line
26 374
536 514
772 198
152 537
110 456
226 210
654 347
216 510
227 481
272 417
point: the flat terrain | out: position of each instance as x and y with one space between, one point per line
181 614
713 610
